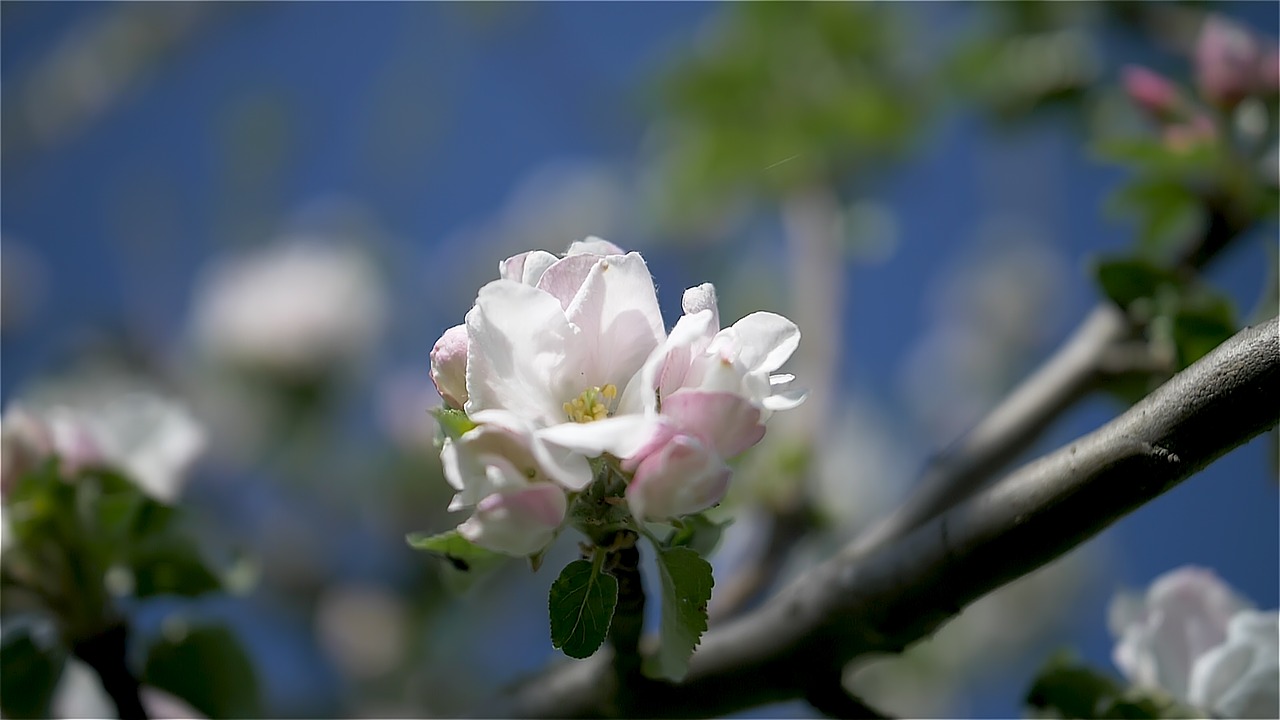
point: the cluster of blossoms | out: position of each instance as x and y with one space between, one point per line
1193 637
1231 65
146 437
565 359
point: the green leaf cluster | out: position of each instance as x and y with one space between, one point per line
1183 316
77 543
784 95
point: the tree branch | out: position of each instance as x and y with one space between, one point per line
1009 429
884 600
1101 347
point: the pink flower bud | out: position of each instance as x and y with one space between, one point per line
684 476
449 366
1151 91
25 442
74 441
1186 136
1228 58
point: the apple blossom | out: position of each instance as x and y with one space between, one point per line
1241 677
1195 638
299 305
711 390
150 439
567 359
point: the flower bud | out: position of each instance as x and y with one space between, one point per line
25 442
1151 91
517 521
449 366
1228 60
682 477
74 441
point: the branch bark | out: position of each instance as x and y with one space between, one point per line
882 601
1101 347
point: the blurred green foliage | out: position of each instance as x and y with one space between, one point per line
784 95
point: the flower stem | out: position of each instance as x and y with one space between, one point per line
106 653
628 617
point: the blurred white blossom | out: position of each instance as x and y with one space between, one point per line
299 305
149 438
1192 636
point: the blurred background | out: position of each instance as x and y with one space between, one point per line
271 211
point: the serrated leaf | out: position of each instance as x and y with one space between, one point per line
464 562
581 606
206 667
686 590
454 423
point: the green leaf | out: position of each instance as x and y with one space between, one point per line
1071 691
581 605
454 423
1203 322
463 561
171 566
1127 280
31 663
1169 214
206 667
1066 689
686 590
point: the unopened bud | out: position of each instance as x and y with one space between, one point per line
449 366
1151 91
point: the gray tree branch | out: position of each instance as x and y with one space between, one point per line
882 601
1102 346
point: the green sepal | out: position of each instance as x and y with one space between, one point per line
453 423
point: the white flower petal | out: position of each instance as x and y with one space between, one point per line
563 279
520 345
526 268
617 311
1241 677
702 297
766 341
593 245
620 436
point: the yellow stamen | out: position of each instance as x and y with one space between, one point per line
595 403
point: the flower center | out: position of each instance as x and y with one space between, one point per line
595 403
